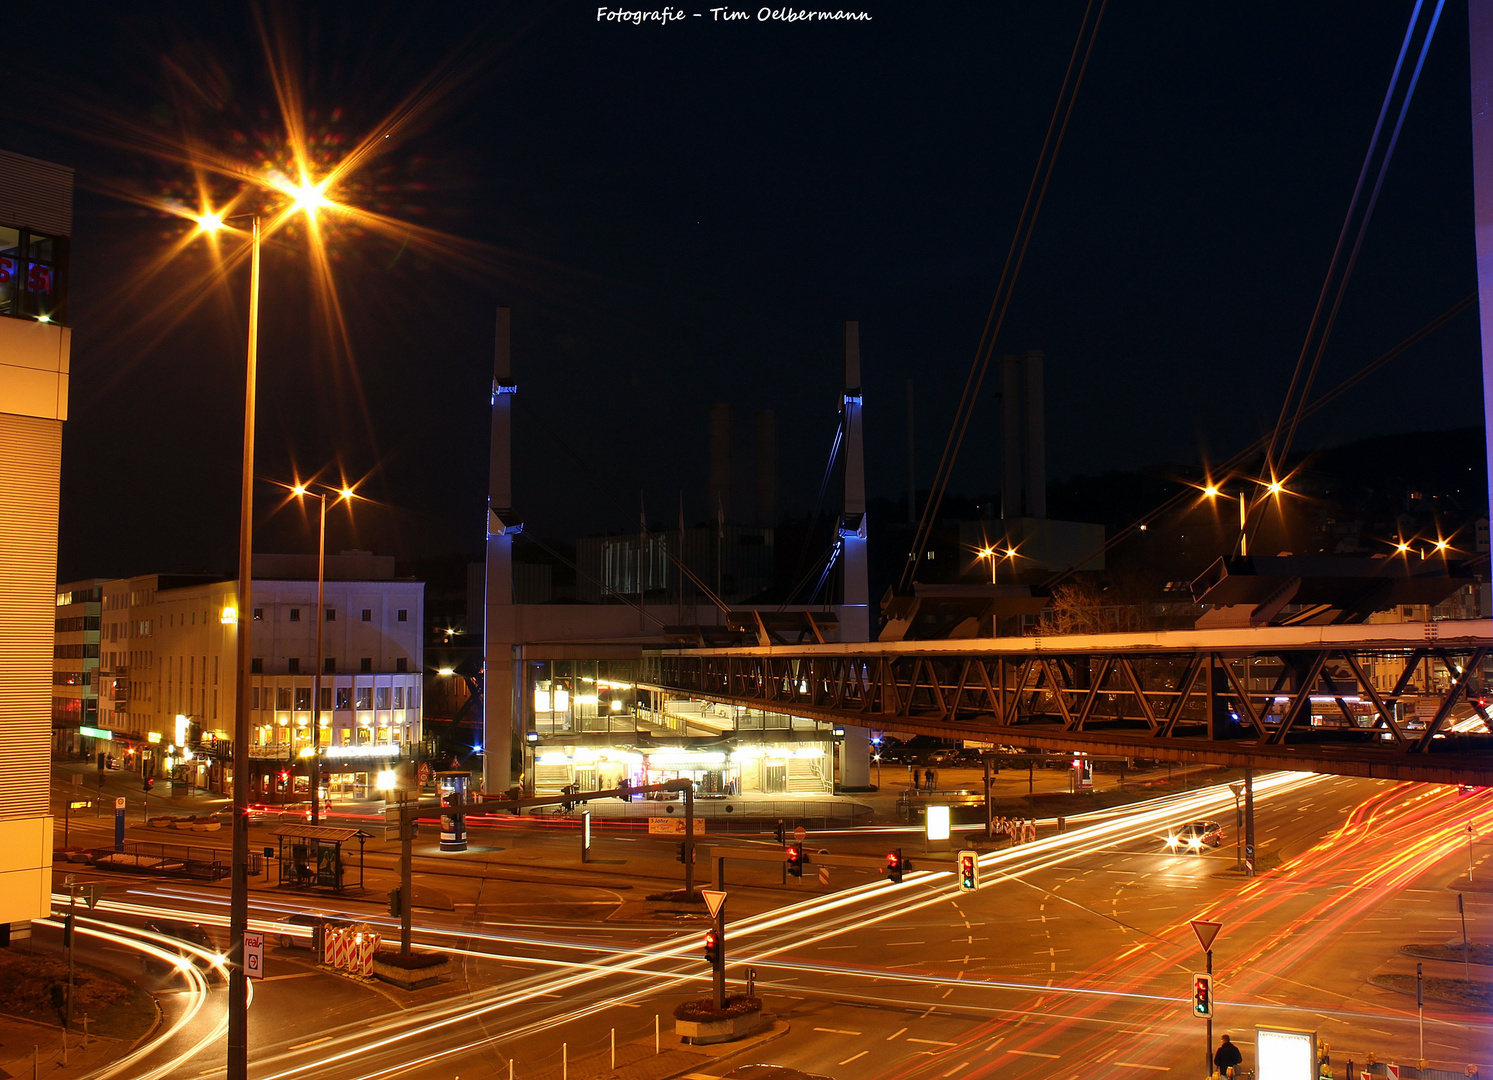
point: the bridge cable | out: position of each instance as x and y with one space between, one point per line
1300 386
1015 256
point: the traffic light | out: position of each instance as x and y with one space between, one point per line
794 853
969 871
715 943
396 897
1202 995
148 783
67 931
779 833
679 852
895 866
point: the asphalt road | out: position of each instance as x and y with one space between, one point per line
1075 952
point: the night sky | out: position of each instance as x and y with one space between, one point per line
684 214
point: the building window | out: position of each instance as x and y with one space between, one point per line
401 664
282 698
32 274
365 697
382 697
293 665
295 614
399 697
365 665
326 699
302 698
331 614
344 697
254 694
329 665
258 613
404 615
367 614
256 665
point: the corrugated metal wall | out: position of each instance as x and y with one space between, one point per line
36 194
30 466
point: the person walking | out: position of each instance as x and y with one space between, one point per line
1227 1057
928 778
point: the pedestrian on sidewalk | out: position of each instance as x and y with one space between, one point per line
928 778
1227 1057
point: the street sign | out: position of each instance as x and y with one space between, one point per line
800 833
119 803
91 893
254 955
1237 789
1206 932
713 900
824 875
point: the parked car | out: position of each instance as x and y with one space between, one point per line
307 919
1194 836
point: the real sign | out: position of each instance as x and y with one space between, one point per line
1285 1054
254 955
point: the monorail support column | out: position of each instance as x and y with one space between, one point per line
1249 823
855 599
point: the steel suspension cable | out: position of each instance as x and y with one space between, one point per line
1026 223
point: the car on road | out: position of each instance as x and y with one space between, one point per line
308 919
192 944
771 1072
1194 836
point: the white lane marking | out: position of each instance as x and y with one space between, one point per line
993 1045
1031 1053
838 1031
313 1042
956 1068
932 1042
894 1034
1153 1068
296 975
848 1060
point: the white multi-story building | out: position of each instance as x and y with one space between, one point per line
168 650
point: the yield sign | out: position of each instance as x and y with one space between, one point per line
1206 932
713 900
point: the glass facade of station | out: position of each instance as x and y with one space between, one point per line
591 726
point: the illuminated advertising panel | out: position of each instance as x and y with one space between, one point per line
1285 1054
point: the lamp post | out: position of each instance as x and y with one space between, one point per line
995 554
345 493
306 198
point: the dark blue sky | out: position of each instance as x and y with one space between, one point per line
685 214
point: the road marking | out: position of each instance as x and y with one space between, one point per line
313 1042
993 1045
848 1060
1153 1068
894 1034
906 943
824 947
956 1068
297 975
933 1042
947 992
1031 1053
838 1031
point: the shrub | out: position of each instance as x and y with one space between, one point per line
703 1009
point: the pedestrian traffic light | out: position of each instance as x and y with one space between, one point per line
148 783
1202 995
794 853
969 871
679 852
714 945
894 866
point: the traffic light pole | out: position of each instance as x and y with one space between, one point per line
689 841
719 974
406 886
1208 1045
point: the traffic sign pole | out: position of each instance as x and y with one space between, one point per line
715 900
1208 1044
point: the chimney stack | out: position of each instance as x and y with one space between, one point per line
720 461
767 468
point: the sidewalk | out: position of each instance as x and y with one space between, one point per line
26 1046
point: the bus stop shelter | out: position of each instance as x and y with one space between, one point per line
311 856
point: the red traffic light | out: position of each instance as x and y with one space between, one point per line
895 865
712 947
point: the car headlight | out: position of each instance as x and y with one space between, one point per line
1195 842
1171 841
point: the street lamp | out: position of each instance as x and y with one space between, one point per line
238 903
1275 488
343 494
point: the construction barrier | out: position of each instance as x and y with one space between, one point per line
351 949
